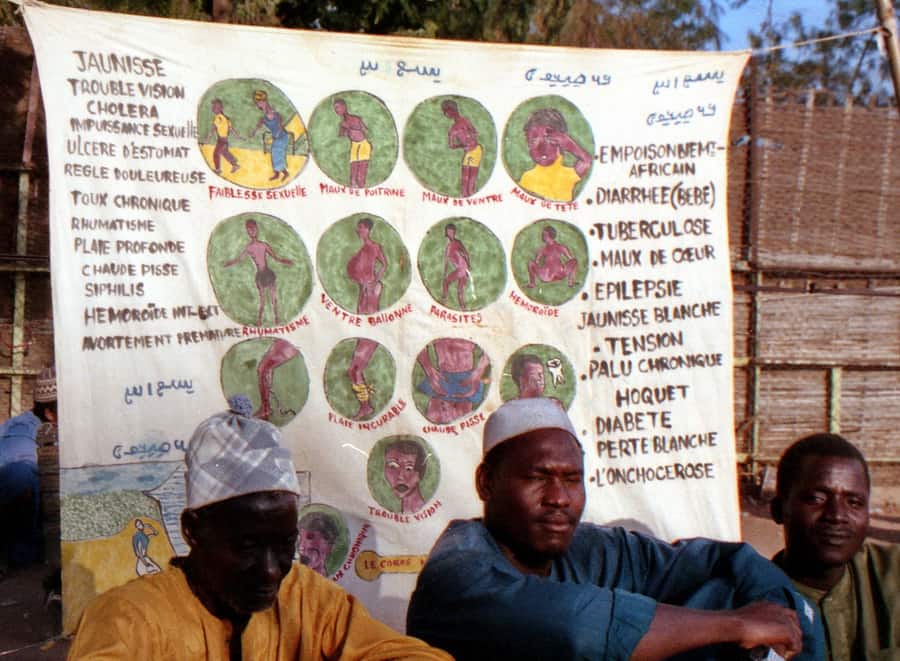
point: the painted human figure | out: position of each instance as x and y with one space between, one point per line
140 543
457 383
463 135
404 467
220 130
275 356
271 119
355 129
259 252
456 266
315 542
366 268
552 262
548 139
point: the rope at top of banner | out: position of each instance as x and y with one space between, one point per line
844 35
753 53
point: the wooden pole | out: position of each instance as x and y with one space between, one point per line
891 41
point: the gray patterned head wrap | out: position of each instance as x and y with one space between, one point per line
232 455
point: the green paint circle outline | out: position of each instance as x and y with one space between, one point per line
516 159
339 392
525 245
341 545
435 166
238 282
245 381
238 92
339 243
331 152
418 375
509 390
484 248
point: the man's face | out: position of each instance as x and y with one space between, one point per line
534 496
217 107
400 472
314 549
362 230
826 512
542 146
531 382
252 230
340 109
244 547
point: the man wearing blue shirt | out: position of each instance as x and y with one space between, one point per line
528 581
20 495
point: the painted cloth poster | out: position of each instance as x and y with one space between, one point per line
379 240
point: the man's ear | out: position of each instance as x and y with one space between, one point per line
776 508
483 482
190 523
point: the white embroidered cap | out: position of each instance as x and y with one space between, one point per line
232 455
45 385
520 416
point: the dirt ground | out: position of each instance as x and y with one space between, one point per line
29 627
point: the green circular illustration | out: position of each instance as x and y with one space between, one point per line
334 538
462 264
259 269
359 378
250 134
450 144
403 473
550 261
363 264
354 139
451 378
538 370
548 148
272 373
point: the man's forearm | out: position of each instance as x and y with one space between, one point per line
675 629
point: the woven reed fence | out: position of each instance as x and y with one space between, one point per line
814 193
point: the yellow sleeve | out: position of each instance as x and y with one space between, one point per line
346 631
112 628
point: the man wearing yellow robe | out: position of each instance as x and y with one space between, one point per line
238 594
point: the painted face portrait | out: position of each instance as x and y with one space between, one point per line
401 471
314 547
316 539
542 145
531 379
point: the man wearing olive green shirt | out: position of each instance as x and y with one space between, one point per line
822 500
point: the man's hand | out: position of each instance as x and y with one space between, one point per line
770 625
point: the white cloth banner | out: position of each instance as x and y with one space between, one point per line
378 240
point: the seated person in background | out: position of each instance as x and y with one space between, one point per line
238 594
822 500
529 582
20 484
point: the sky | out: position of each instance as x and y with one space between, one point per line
736 22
